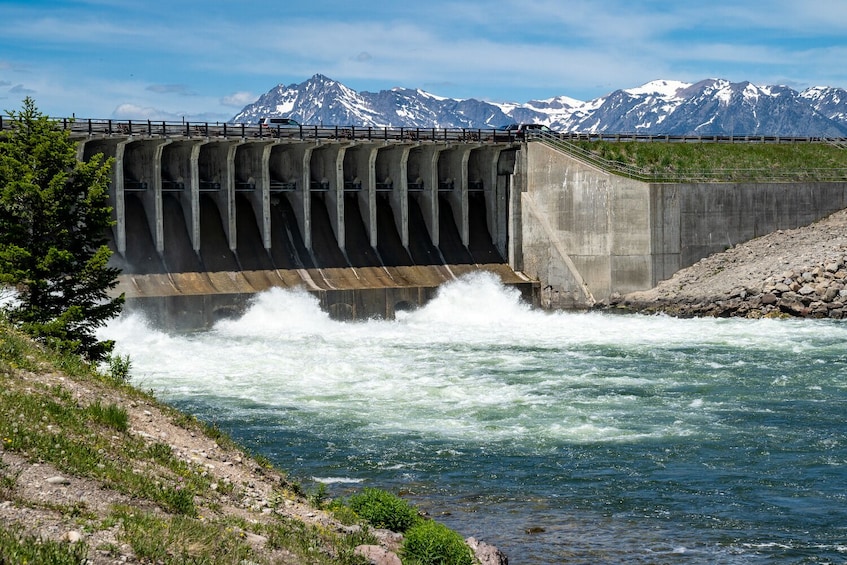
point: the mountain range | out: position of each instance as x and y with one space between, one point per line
708 107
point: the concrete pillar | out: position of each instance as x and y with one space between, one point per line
458 197
301 200
391 165
264 197
157 191
116 193
400 196
142 166
367 198
180 165
193 195
335 196
500 206
517 186
215 177
429 197
252 176
228 195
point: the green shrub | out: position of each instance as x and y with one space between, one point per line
343 513
180 500
382 509
119 368
319 497
431 543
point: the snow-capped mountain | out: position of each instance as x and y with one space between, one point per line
708 107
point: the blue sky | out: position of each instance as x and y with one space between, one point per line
206 59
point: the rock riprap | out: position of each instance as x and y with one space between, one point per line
788 273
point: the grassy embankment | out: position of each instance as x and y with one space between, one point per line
173 510
144 497
716 162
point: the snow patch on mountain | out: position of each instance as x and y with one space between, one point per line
662 88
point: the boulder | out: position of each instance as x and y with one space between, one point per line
487 554
377 555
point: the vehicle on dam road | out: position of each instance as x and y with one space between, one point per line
520 131
278 122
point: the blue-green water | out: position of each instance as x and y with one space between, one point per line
560 438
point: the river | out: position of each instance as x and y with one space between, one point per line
558 437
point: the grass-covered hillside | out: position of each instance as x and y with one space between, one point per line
660 161
93 470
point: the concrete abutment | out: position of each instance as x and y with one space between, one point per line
586 234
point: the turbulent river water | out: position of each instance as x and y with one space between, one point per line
558 437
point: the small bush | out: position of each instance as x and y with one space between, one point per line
319 497
180 500
7 480
160 453
119 368
382 509
431 543
343 513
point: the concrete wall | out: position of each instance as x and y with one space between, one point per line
692 221
585 234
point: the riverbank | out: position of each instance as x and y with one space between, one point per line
93 468
788 273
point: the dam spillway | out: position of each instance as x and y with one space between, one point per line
373 220
370 225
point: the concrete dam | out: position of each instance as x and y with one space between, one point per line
370 221
373 220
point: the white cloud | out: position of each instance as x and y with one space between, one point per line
239 99
135 112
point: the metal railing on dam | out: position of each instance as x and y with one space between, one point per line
109 127
106 126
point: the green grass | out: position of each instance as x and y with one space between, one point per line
20 548
180 539
91 439
306 541
716 162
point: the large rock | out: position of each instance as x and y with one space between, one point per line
377 555
487 554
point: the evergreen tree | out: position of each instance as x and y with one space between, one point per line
54 213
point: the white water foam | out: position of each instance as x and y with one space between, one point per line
476 362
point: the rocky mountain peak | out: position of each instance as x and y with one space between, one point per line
711 106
